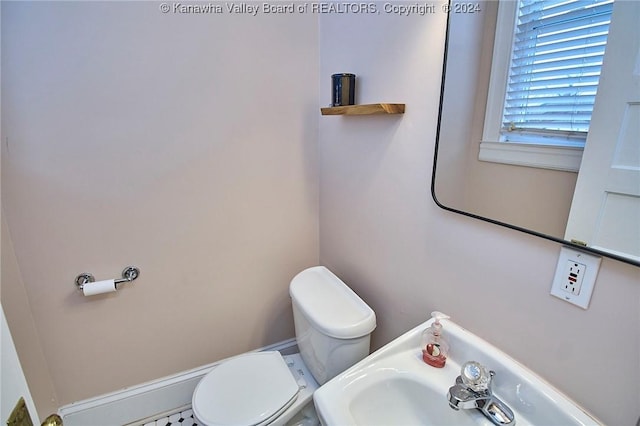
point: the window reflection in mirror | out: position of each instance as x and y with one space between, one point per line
534 199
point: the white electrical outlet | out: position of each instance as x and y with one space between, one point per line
575 276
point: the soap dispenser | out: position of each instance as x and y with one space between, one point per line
434 346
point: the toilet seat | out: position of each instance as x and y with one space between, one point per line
251 390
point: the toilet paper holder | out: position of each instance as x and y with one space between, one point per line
129 274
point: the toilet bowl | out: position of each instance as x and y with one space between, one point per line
259 388
333 328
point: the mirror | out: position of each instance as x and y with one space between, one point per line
532 200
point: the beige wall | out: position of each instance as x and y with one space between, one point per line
15 303
531 198
182 144
382 233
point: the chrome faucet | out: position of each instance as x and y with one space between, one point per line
473 390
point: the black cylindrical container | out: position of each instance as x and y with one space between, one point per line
343 88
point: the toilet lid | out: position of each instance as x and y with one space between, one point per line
246 390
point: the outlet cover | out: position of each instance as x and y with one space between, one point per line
575 276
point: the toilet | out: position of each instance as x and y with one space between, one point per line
333 328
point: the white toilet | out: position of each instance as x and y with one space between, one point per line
333 328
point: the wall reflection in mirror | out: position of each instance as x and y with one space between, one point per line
598 202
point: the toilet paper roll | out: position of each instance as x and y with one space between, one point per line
99 287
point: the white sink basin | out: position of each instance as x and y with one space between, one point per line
393 386
390 397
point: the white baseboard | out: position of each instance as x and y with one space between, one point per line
144 400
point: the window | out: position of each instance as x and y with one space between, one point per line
544 78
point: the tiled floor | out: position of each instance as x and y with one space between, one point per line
184 417
180 417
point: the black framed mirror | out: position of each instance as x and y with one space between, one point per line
533 200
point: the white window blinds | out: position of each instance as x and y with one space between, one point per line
555 67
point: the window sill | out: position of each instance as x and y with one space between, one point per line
528 155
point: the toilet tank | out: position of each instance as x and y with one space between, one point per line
333 325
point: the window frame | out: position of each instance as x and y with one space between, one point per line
545 151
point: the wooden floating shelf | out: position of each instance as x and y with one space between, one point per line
368 109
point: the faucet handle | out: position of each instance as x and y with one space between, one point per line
476 376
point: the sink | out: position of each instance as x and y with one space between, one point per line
389 398
393 386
